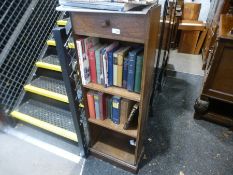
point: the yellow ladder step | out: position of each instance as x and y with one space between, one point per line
44 65
61 22
46 93
44 125
51 42
71 45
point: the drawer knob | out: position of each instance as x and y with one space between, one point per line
106 23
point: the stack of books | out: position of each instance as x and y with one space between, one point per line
110 64
102 106
112 5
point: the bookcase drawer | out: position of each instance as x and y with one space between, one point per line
113 26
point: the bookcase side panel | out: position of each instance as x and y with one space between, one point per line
147 74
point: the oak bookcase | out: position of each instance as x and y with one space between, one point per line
107 140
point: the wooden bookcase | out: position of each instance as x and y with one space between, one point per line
107 140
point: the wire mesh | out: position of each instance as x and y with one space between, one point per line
50 114
10 14
50 84
19 62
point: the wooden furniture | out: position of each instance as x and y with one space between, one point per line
217 7
218 80
107 140
190 35
191 11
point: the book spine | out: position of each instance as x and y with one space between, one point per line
83 63
102 68
131 72
119 70
116 110
138 74
105 68
102 103
125 72
97 106
110 68
91 105
115 71
92 65
98 71
123 117
110 108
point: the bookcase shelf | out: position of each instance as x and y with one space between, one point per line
113 90
107 123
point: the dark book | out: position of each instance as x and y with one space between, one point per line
125 72
138 73
102 104
116 109
133 118
131 67
97 106
109 107
110 66
126 106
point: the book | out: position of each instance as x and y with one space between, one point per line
120 57
89 42
101 66
126 107
91 104
102 104
138 73
110 66
131 67
100 5
97 106
115 54
83 61
109 107
98 57
132 119
125 72
91 56
105 61
116 109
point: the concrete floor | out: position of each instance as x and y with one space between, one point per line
175 142
186 63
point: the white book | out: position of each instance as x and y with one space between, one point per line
83 64
105 62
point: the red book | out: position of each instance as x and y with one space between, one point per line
91 104
102 99
91 57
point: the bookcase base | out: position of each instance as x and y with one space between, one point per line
114 161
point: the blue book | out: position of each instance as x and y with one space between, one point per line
110 66
97 106
125 72
131 67
116 109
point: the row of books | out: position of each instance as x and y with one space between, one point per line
102 106
110 65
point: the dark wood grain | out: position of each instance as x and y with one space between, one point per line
153 27
188 41
132 27
219 83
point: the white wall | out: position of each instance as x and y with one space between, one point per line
205 5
